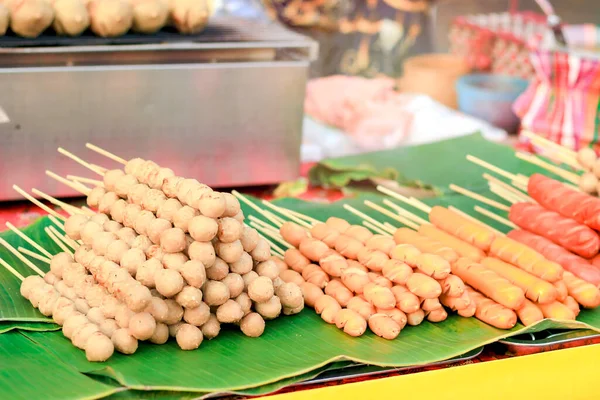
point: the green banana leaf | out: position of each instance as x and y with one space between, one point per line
28 326
29 372
432 165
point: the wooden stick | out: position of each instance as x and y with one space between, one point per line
500 192
21 257
275 221
284 212
80 161
33 254
403 199
65 239
569 176
79 187
81 179
519 185
506 186
474 220
56 222
270 234
367 218
12 270
28 239
106 153
375 229
399 218
420 204
405 213
58 242
479 197
495 217
311 220
264 224
38 203
390 227
548 143
495 169
69 209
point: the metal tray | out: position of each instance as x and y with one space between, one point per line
548 340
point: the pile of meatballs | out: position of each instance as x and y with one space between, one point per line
162 257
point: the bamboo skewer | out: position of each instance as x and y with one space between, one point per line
401 219
106 153
80 161
64 238
271 235
12 270
37 202
548 143
58 242
28 239
21 257
479 197
415 203
56 222
390 227
569 176
82 179
375 229
495 217
307 218
69 209
33 254
405 213
78 187
276 221
284 212
368 218
506 186
522 180
500 192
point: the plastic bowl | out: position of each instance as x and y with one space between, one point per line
490 98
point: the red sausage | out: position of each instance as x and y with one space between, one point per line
566 232
576 265
568 202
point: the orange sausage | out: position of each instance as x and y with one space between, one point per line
397 271
492 313
462 228
453 286
406 301
529 313
314 274
325 233
536 289
348 247
561 290
425 244
423 286
361 306
372 259
415 318
379 296
293 233
340 225
295 260
333 263
407 253
433 265
557 310
379 280
313 249
572 304
489 283
382 243
336 289
355 279
461 302
583 292
359 233
527 259
463 248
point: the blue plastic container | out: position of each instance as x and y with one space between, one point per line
490 98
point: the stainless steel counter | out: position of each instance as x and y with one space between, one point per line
228 113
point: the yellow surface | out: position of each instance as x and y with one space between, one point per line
570 374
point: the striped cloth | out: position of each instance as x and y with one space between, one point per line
563 101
